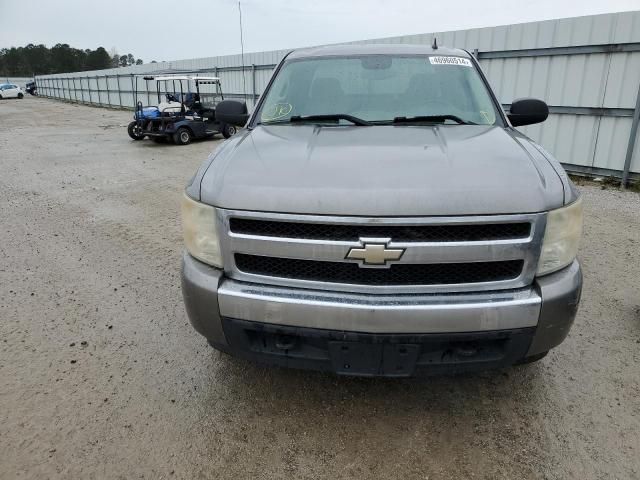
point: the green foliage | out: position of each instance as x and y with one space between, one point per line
61 58
127 60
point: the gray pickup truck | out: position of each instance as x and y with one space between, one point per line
380 215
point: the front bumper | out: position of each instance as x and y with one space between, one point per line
328 330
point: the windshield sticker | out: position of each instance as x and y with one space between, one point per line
490 117
276 111
465 62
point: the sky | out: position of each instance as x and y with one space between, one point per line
172 30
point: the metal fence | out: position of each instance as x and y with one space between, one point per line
586 68
117 90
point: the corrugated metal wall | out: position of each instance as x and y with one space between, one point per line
595 93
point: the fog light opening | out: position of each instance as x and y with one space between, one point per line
285 342
466 350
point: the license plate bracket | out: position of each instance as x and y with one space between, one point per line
369 359
353 358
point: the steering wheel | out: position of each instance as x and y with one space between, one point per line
171 98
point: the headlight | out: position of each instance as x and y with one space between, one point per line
200 235
561 238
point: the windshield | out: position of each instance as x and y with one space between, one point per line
379 89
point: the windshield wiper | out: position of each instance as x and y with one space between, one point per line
330 117
431 119
275 122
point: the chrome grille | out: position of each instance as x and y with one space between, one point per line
475 253
399 233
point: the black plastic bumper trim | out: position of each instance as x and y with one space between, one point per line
363 354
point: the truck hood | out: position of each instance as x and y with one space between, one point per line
382 171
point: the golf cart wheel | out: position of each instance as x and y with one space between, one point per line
182 136
135 131
229 130
20 95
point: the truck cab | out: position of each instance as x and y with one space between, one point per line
379 215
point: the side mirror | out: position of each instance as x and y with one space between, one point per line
526 111
232 112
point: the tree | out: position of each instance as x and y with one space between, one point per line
61 58
115 57
65 59
98 59
36 58
139 61
13 63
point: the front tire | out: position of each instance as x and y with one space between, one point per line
229 131
135 131
20 96
183 136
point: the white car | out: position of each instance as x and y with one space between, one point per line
9 90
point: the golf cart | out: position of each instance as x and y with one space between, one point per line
31 88
182 114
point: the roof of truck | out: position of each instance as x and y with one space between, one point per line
376 49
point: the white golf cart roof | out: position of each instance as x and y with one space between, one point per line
195 78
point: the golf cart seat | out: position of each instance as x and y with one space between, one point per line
170 108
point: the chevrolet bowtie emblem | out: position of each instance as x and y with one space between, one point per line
374 253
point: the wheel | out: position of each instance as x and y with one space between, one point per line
20 95
135 131
183 136
228 130
0 97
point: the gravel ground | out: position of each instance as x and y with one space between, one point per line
101 376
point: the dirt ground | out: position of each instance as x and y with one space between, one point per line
101 375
